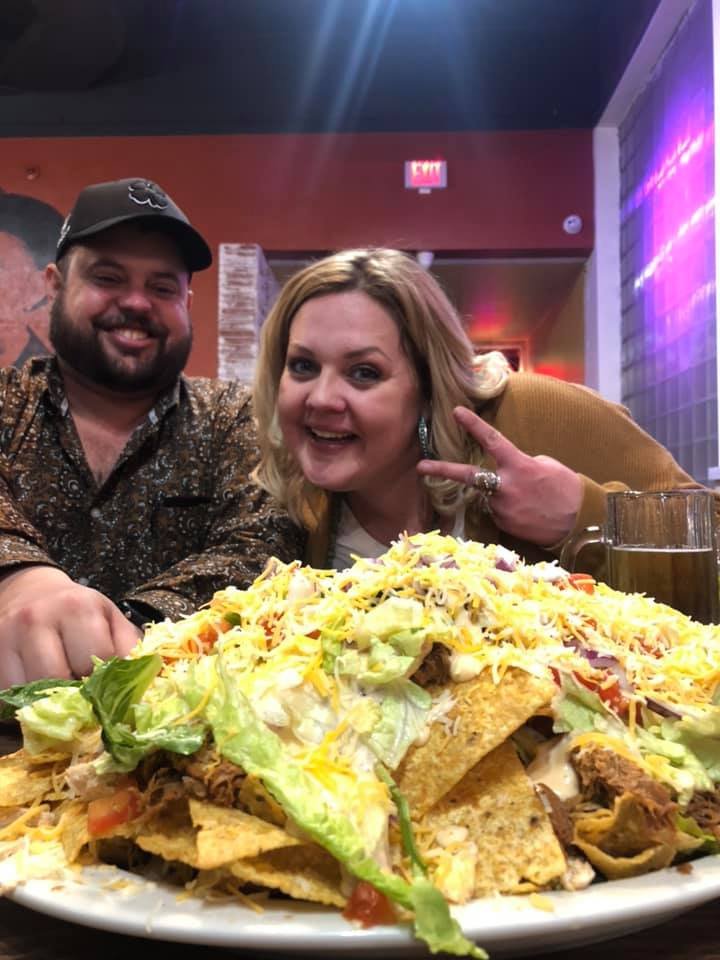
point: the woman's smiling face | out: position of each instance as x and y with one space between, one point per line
349 397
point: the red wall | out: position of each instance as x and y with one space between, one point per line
507 193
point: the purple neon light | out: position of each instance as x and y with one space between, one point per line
668 217
679 156
665 253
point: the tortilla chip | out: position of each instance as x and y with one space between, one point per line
74 829
517 850
484 715
22 782
305 873
176 844
623 831
617 868
171 835
254 797
226 834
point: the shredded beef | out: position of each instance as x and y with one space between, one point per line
558 813
163 789
209 776
435 668
704 808
605 775
164 778
159 784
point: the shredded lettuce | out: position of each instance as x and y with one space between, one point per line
579 710
404 708
113 688
12 698
406 831
700 736
379 665
55 718
709 843
396 615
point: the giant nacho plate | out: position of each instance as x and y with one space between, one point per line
443 726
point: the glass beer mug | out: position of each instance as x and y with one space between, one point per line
661 544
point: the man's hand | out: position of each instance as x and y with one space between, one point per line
50 626
538 498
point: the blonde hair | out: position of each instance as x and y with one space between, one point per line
435 341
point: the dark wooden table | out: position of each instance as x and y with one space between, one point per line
27 935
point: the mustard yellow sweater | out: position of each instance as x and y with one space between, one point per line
578 427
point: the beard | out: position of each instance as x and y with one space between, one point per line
84 352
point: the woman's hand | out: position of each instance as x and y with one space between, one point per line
538 498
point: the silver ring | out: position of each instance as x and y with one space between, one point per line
486 481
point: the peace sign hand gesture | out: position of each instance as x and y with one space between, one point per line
537 498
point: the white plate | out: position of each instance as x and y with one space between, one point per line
505 926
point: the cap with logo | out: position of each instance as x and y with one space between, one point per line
104 205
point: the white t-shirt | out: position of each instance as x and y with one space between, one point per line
352 539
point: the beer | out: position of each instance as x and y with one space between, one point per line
683 577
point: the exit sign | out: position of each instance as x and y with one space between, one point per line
425 175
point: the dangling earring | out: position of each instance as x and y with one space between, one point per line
424 437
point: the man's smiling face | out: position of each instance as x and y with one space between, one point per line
121 316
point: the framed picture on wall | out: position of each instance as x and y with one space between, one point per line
516 351
29 229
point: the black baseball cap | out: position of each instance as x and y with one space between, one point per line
104 205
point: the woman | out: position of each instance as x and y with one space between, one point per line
375 418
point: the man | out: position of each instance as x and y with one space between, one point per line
28 234
125 491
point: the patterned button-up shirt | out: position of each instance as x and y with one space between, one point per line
177 519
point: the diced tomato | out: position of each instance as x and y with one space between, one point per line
582 581
269 623
106 813
368 906
612 694
207 637
588 684
614 698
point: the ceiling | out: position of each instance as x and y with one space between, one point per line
82 67
144 67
